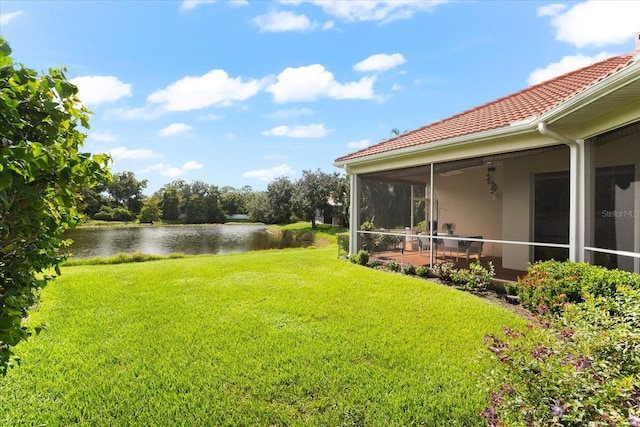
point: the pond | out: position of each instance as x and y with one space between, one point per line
186 239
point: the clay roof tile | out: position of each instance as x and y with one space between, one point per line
530 102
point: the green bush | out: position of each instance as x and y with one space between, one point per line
550 285
476 277
383 242
409 270
343 242
43 170
393 266
444 271
374 263
582 368
361 258
367 239
422 271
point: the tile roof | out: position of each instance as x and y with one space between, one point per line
530 102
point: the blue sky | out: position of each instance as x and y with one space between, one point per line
238 93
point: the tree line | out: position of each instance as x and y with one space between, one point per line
284 201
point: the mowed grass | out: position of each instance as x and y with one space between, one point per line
289 337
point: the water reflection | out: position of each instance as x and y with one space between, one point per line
186 239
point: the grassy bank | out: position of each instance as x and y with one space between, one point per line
291 337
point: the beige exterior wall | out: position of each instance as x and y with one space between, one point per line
465 200
517 205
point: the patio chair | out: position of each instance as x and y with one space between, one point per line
451 246
424 243
474 248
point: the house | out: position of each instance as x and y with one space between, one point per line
552 171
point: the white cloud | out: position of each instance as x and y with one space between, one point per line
270 174
595 23
363 143
380 62
215 87
565 65
380 11
103 136
551 9
192 165
192 4
172 171
96 90
174 129
122 153
328 25
281 21
5 18
396 87
287 114
309 131
312 82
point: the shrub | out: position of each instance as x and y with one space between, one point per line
367 239
343 242
393 266
423 271
385 242
43 170
367 226
476 277
374 263
409 270
444 271
582 368
361 258
550 285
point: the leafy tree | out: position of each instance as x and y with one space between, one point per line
125 190
279 194
340 197
232 201
258 207
203 204
312 191
119 213
174 196
170 203
150 210
388 205
42 172
91 200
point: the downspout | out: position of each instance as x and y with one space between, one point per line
577 187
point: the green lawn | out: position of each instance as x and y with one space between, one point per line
290 337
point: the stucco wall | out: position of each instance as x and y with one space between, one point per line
517 202
465 200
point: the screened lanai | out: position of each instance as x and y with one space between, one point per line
549 172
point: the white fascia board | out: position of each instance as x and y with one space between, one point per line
602 88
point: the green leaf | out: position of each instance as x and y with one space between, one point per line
5 180
5 49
